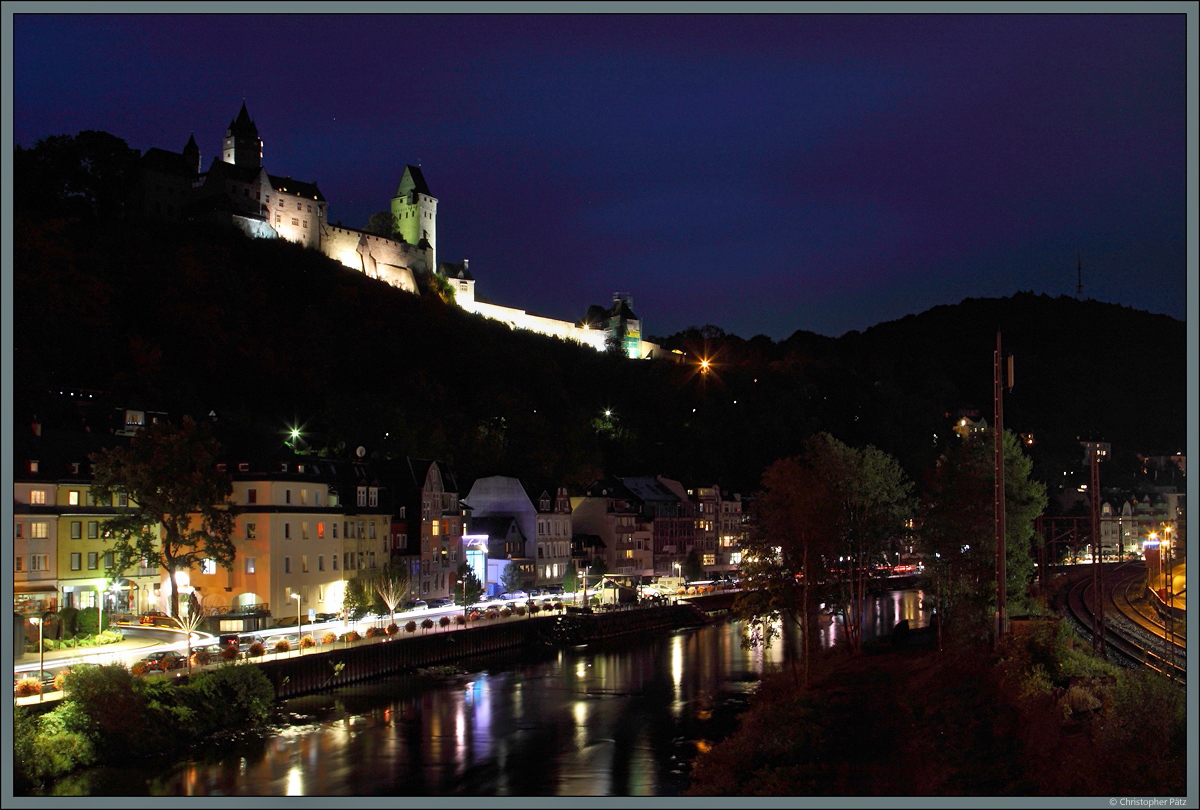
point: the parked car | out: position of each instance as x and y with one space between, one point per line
443 601
520 595
46 677
164 660
416 604
554 589
326 617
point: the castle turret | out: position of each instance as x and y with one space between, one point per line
242 146
415 210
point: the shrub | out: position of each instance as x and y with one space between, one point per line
308 641
329 637
460 620
375 632
520 611
534 609
230 697
87 621
505 613
28 686
491 613
60 679
112 711
138 668
282 645
200 658
444 622
410 627
393 629
68 621
427 624
351 635
256 649
229 652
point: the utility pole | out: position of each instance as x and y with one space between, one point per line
1095 451
998 396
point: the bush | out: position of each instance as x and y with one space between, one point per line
491 613
520 611
230 697
411 627
460 620
534 608
329 637
427 624
308 641
138 668
256 649
444 622
200 658
505 613
282 646
68 622
87 619
351 635
111 711
375 632
28 686
229 652
60 679
393 629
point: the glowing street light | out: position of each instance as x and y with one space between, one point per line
299 622
41 655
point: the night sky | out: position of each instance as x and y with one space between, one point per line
763 173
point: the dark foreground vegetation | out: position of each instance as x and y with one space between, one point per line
110 717
1041 717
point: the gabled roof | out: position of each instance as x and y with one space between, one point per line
650 489
296 187
160 160
242 174
496 526
412 180
455 270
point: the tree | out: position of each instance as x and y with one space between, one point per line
512 578
179 511
958 531
391 584
598 568
467 588
693 569
357 597
382 223
89 175
570 578
787 536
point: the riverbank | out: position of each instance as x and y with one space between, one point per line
908 720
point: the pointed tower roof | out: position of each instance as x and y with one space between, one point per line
412 180
191 144
242 125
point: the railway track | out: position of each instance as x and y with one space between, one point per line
1129 630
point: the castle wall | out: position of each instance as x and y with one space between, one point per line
385 259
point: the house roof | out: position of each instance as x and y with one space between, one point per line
412 180
242 125
297 187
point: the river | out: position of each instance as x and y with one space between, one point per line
624 718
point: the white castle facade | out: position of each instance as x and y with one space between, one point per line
238 188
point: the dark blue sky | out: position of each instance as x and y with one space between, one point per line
763 173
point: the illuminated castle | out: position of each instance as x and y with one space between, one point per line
237 188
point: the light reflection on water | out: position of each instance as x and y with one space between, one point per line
622 719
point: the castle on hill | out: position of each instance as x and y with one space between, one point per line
237 188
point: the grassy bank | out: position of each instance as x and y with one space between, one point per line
1041 716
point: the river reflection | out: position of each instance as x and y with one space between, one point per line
625 718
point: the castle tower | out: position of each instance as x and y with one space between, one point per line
415 210
242 146
191 155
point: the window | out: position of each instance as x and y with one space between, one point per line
437 527
320 530
306 223
39 530
287 496
93 529
371 531
304 530
76 560
243 466
39 562
249 565
287 565
108 560
295 221
373 499
287 530
362 496
20 531
320 562
304 497
304 563
370 559
360 534
93 560
250 529
208 566
334 527
252 496
33 466
402 512
298 206
333 558
73 497
122 500
310 209
19 563
37 496
76 529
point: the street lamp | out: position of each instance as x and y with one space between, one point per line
299 622
41 655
